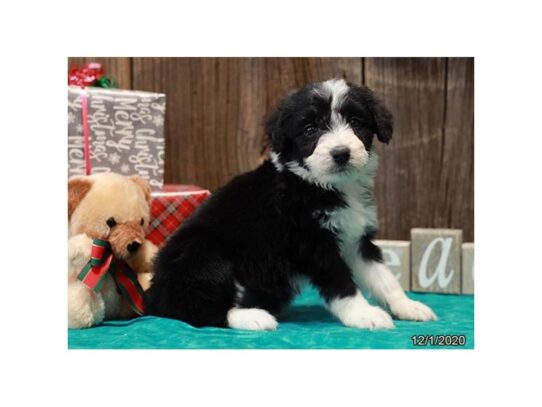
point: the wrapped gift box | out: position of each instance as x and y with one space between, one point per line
125 132
170 207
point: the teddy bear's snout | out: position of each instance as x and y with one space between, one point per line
126 239
132 247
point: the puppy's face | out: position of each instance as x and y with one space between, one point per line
324 132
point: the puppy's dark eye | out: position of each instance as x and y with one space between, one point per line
356 124
310 130
142 222
111 222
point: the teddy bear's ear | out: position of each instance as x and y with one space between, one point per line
144 185
78 187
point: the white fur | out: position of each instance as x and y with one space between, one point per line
380 282
359 178
337 89
412 310
239 293
253 319
351 223
275 159
356 312
306 174
320 162
359 214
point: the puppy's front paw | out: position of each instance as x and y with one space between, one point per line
252 319
367 317
412 310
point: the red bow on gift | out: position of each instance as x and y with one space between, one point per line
91 74
86 76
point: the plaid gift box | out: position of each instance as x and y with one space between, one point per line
170 206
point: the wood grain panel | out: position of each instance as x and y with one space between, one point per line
117 68
456 178
210 118
216 107
408 180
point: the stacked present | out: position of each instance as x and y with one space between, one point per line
170 207
113 130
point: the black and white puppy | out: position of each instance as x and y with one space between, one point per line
309 214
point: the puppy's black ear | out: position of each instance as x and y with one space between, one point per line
275 121
383 119
269 124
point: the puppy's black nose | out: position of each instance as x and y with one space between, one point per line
340 155
132 247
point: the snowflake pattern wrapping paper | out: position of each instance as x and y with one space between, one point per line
126 132
170 207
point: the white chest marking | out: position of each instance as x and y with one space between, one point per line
353 221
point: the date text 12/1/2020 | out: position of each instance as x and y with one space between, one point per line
438 340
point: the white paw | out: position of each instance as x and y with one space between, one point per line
85 308
356 312
412 310
253 319
368 317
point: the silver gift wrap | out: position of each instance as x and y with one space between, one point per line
126 131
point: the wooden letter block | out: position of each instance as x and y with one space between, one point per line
396 255
467 269
436 260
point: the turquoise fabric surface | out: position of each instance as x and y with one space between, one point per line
305 325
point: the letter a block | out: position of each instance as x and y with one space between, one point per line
396 255
436 260
467 270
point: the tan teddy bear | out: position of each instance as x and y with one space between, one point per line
107 214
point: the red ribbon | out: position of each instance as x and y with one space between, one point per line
101 263
86 76
86 135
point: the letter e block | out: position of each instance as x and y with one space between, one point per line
467 269
396 255
436 260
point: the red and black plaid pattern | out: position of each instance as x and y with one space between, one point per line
170 206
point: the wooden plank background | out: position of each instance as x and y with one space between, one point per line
216 107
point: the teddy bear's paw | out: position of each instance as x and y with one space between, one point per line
81 319
79 245
85 308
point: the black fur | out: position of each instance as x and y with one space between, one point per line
262 230
368 250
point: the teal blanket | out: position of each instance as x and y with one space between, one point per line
305 325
